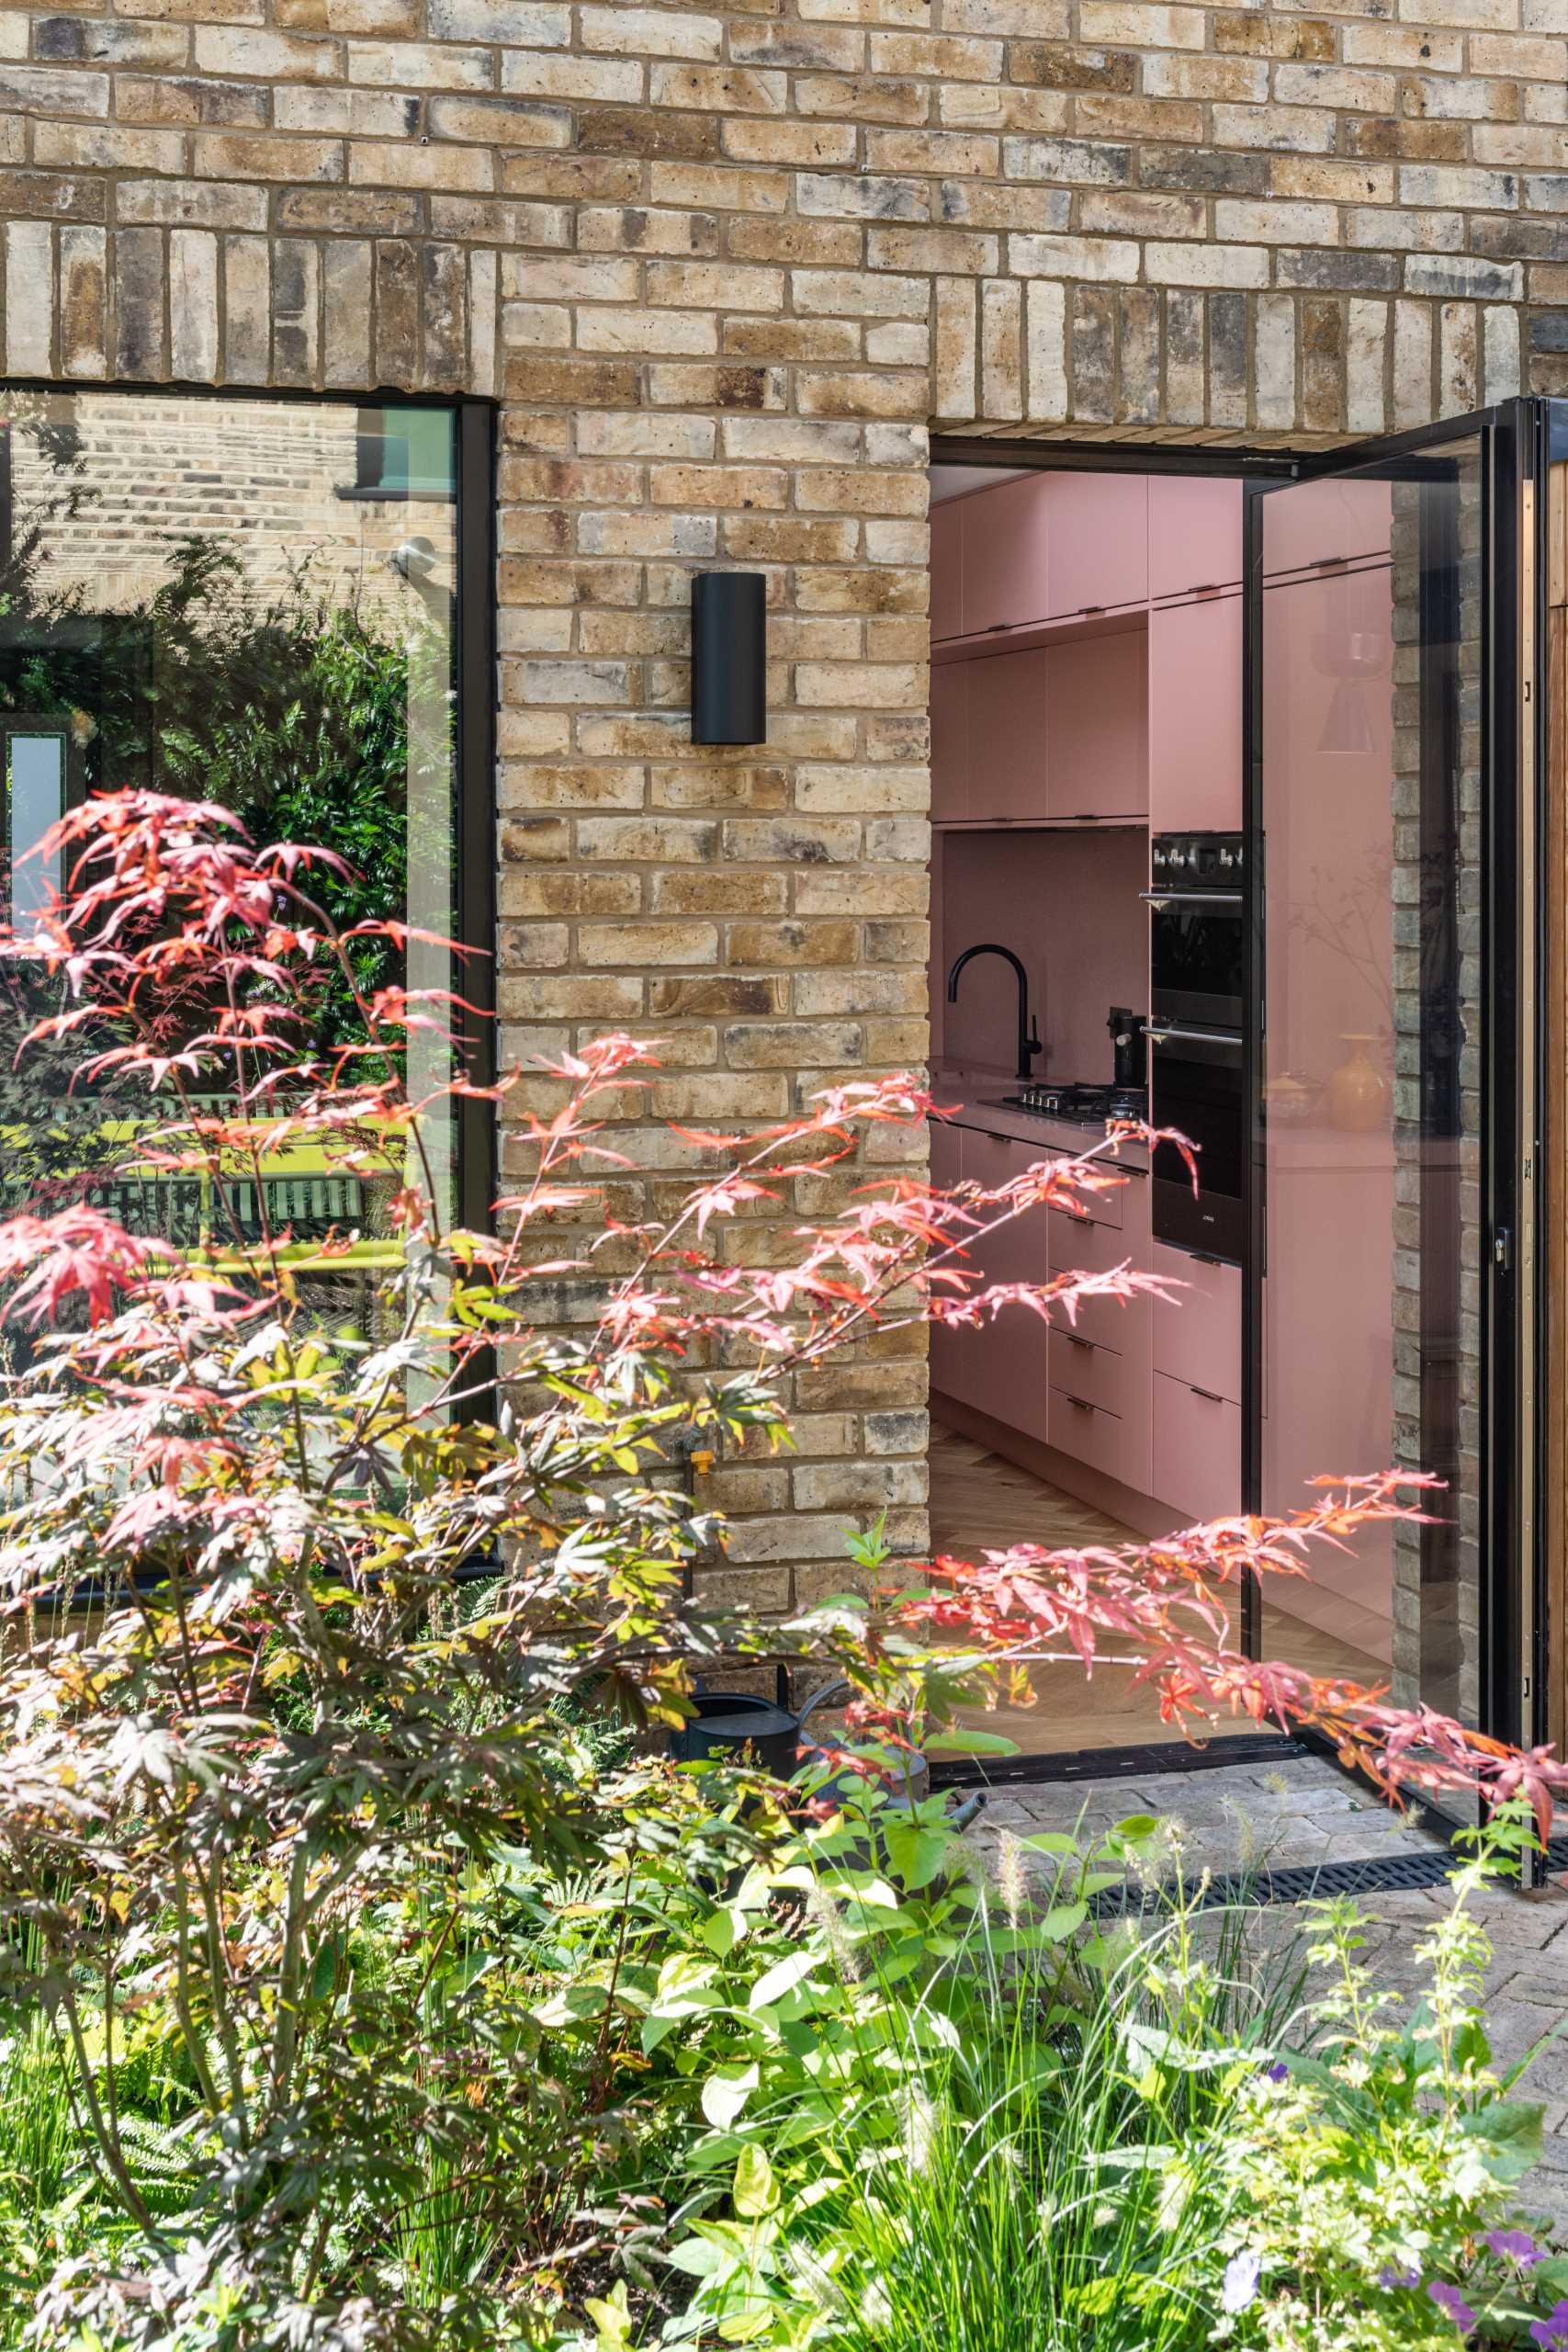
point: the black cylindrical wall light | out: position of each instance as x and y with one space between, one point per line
730 656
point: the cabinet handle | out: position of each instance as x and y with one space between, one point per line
1324 562
993 626
1082 1403
1207 1395
1088 612
1074 1342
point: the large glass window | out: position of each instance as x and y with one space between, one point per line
254 601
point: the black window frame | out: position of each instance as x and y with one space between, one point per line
474 684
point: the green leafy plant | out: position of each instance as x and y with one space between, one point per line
400 1983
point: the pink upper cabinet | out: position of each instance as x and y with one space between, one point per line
1098 761
947 569
1005 555
1194 534
949 740
1195 663
1099 541
1326 522
1009 735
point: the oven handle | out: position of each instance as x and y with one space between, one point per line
1164 1034
1192 898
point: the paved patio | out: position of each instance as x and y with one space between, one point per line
1303 1813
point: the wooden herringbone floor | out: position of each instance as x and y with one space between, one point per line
980 1503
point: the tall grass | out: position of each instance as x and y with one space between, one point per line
1039 2191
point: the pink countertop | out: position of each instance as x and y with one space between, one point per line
975 1099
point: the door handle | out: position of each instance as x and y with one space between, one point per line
1173 1036
1191 898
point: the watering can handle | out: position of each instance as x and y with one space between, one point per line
821 1698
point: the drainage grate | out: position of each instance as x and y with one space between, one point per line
1375 1874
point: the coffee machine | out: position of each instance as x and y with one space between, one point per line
1129 1040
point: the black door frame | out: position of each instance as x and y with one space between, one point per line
1519 436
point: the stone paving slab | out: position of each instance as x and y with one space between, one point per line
1303 1813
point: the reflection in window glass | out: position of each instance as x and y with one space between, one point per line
1373 791
248 600
35 799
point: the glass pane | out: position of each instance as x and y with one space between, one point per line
1373 624
35 781
249 600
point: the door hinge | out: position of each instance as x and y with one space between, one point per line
1503 1249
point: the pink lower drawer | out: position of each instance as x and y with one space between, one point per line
1076 1246
1197 1451
1099 1376
1100 1209
1086 1431
1197 1332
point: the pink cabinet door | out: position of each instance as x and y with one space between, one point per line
1326 522
1099 541
1195 665
1089 1433
1004 567
1008 732
1078 1247
947 569
1194 534
1096 1375
1197 1331
1097 759
949 1344
949 740
1006 1369
1197 1452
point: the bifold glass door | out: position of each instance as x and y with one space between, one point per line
1392 712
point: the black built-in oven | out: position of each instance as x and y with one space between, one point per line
1197 908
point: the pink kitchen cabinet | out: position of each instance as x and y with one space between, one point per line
1098 1376
1197 1451
947 569
1008 738
1194 716
1098 757
1078 1247
1195 534
1313 523
1090 1434
1005 567
951 689
1006 1366
1101 1360
1197 1332
1099 542
949 1345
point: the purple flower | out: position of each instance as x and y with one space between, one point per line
1278 2073
1243 2272
1448 2299
1513 2245
1389 2277
1552 2333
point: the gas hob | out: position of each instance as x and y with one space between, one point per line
1084 1104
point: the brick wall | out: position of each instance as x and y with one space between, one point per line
721 268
